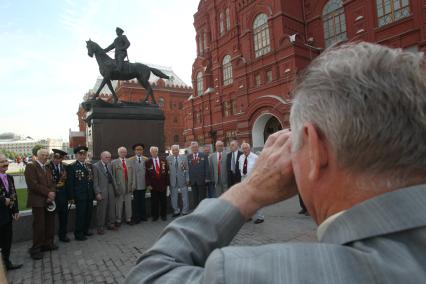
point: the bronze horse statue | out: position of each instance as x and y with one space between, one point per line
107 68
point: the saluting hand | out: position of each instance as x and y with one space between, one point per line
271 180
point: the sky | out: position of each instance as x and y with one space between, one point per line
44 67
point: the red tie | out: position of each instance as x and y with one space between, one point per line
245 166
157 168
125 169
218 165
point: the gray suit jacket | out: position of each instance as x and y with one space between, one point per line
179 177
214 176
119 176
100 179
381 240
138 174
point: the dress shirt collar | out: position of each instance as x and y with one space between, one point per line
41 165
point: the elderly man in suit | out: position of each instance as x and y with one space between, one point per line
41 191
80 188
179 179
59 174
122 171
233 164
211 193
218 173
9 211
198 164
157 180
356 153
139 183
103 184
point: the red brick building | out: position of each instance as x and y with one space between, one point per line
169 94
249 53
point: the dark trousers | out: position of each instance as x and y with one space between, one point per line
199 192
211 192
158 204
302 204
233 179
139 205
43 229
6 241
62 212
83 216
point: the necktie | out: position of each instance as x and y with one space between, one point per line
139 160
125 169
233 163
194 159
218 165
245 166
108 174
157 167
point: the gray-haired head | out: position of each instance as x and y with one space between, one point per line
369 102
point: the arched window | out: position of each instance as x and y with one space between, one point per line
200 45
261 39
228 19
205 41
333 17
227 70
200 89
389 11
221 24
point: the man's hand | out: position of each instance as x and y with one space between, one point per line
16 216
7 202
98 197
272 179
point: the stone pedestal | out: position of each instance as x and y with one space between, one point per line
110 126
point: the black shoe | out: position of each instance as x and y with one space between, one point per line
307 213
130 223
49 248
303 211
258 221
81 238
144 219
154 219
11 266
36 255
65 239
88 234
175 215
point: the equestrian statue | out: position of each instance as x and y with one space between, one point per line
118 69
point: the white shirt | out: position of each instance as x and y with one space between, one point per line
41 165
217 155
235 154
251 160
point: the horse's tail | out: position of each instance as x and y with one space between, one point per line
158 73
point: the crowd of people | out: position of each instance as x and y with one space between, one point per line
119 187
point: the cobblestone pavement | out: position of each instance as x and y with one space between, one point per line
107 258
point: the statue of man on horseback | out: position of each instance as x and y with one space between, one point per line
117 69
120 46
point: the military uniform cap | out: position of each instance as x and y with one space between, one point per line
80 149
59 153
138 144
119 29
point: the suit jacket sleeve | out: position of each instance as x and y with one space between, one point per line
70 183
32 181
147 177
186 243
206 168
210 176
96 179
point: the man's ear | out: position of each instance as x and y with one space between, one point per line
317 151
